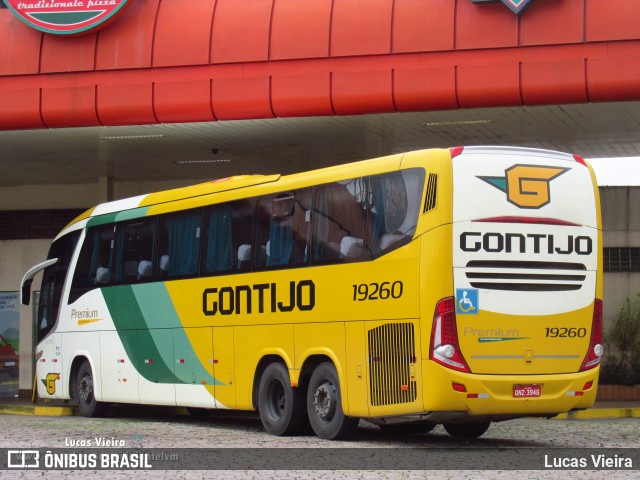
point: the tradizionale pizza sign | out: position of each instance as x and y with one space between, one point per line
67 17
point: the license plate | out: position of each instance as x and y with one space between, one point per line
526 391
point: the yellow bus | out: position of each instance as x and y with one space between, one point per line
447 286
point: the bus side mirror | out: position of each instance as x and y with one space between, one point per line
25 293
25 296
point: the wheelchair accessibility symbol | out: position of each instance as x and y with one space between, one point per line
467 301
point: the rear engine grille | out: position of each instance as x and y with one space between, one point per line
526 276
391 353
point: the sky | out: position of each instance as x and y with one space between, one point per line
616 171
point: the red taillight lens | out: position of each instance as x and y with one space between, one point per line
592 359
455 151
579 159
444 337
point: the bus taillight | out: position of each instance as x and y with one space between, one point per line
455 151
579 159
592 359
444 337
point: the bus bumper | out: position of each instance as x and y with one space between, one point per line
495 395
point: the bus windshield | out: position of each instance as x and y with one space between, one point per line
53 283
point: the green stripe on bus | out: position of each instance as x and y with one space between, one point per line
157 309
132 213
101 219
127 316
118 216
148 309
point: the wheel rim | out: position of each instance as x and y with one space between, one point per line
276 403
325 401
85 389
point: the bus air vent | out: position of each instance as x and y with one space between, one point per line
525 276
392 353
432 193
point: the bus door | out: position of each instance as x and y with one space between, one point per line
224 367
118 360
193 359
49 346
156 366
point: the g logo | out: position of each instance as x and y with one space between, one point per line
526 186
50 382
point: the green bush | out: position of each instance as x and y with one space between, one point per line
622 366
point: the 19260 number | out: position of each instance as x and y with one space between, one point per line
566 332
377 291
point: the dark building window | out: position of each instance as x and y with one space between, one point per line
622 259
34 224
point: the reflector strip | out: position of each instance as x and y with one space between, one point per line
536 220
458 387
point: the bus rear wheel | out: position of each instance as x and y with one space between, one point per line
85 393
467 430
281 407
324 405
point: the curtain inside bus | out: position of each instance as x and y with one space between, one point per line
219 256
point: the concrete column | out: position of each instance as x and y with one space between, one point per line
105 189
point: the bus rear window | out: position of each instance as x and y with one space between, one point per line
365 217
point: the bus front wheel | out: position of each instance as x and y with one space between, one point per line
281 407
467 430
324 405
89 406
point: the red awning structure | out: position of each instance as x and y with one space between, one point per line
174 61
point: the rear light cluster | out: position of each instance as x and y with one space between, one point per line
445 349
455 151
594 354
579 159
580 393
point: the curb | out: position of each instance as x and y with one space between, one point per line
601 413
38 411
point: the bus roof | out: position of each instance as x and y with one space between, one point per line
131 207
206 188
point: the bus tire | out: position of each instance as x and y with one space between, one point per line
87 403
324 405
468 430
281 407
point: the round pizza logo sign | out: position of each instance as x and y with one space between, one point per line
67 17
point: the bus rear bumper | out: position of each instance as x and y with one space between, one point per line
509 396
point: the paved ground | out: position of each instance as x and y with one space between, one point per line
157 428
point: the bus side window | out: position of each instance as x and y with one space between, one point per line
284 229
228 233
339 221
392 211
94 265
134 252
178 247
